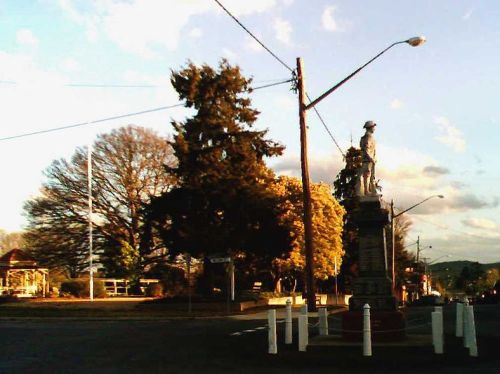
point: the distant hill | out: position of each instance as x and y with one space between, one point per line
453 268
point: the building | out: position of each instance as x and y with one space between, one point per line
21 276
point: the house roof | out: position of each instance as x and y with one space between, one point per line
17 257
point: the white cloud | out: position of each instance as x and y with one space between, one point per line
479 223
252 45
287 2
196 33
229 54
467 14
451 136
328 21
283 30
71 65
144 27
396 104
26 37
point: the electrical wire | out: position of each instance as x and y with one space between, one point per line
254 37
326 128
91 122
270 85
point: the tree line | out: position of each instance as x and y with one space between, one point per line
204 192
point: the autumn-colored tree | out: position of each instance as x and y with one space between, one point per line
327 220
10 240
128 169
222 204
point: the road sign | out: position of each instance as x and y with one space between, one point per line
218 260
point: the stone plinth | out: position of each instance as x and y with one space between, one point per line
373 286
386 326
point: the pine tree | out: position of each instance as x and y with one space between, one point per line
222 203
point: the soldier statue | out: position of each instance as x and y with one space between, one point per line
365 183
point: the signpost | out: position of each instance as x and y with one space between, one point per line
230 291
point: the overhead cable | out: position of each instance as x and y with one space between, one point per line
254 37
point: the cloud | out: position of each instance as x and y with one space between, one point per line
328 21
145 28
196 33
252 45
229 54
396 104
479 223
470 201
451 136
467 14
71 65
458 185
322 167
283 31
434 171
26 37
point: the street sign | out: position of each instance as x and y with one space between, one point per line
218 260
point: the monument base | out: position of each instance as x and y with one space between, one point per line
386 326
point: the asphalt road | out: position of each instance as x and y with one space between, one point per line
234 344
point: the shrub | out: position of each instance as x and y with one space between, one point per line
154 290
80 288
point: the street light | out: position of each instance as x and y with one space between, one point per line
393 216
303 107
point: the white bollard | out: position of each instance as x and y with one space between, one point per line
288 323
466 323
304 312
472 331
271 320
459 327
323 321
303 333
367 333
437 332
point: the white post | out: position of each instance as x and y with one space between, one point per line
288 323
271 320
89 177
303 333
367 338
323 321
437 332
472 332
304 312
466 323
459 326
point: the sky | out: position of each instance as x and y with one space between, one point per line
66 62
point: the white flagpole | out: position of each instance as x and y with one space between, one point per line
89 177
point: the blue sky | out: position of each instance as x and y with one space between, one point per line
437 106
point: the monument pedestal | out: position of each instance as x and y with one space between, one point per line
373 286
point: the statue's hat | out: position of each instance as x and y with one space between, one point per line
369 124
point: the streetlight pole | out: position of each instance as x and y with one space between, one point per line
393 217
303 107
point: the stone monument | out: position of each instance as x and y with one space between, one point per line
373 286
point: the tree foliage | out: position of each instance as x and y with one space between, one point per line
327 222
222 204
127 170
10 240
345 193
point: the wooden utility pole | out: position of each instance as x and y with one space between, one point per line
311 292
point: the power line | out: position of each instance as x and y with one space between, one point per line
254 37
270 85
326 128
91 122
